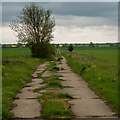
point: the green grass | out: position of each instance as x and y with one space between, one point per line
54 85
101 75
52 95
54 69
15 52
52 78
39 75
55 105
59 59
17 72
109 54
56 109
51 65
50 86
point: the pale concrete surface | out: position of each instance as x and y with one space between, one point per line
26 106
48 73
87 103
40 69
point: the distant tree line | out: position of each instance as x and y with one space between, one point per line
92 45
19 45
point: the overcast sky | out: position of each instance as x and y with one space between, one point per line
76 22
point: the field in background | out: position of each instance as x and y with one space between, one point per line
99 68
17 69
110 54
15 52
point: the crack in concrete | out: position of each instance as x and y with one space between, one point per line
26 105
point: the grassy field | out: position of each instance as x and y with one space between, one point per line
15 52
100 71
110 54
17 68
98 67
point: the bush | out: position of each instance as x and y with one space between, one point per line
70 48
42 50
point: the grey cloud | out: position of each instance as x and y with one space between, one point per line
81 21
87 9
60 0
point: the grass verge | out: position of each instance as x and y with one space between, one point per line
17 72
101 75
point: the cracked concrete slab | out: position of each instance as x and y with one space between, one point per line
48 73
26 106
40 69
26 94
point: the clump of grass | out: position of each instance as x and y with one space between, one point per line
59 59
56 109
37 89
51 65
54 69
54 85
51 85
55 105
52 78
52 95
62 69
39 75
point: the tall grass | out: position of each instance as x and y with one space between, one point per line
18 67
15 52
109 54
101 75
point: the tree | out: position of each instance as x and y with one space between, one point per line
91 44
34 26
70 48
19 45
111 45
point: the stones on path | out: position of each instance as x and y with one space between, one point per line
27 106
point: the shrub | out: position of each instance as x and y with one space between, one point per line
42 50
70 48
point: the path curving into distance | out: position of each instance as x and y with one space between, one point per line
86 104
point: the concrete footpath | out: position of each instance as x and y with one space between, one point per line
86 103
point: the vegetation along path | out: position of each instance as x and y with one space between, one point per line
57 92
26 106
